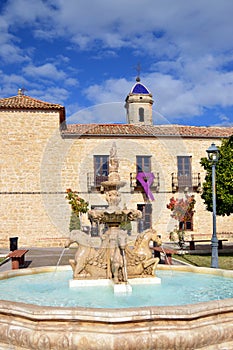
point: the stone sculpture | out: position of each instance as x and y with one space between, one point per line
93 263
114 259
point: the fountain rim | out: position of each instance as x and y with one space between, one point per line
115 315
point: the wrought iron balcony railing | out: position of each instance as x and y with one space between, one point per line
94 181
189 182
135 185
181 183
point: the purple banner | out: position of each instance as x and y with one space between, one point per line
146 180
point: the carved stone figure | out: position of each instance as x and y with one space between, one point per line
113 159
113 198
94 263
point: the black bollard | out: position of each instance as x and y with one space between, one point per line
13 243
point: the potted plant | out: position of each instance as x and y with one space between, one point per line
182 210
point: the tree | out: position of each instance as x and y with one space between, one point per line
78 205
224 180
182 209
75 223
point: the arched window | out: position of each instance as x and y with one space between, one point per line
141 114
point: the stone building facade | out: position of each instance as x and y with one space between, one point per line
42 156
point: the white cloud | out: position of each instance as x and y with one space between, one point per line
54 94
167 26
11 83
112 90
47 70
11 53
174 97
188 44
225 120
71 82
21 12
179 25
112 112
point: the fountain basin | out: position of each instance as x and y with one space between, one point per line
193 326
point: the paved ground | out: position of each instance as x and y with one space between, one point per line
37 257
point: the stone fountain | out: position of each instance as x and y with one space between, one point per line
115 261
206 325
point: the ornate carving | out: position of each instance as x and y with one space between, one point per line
44 342
159 331
64 342
92 263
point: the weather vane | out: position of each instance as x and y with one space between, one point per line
138 68
21 91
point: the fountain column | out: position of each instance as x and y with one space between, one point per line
114 239
117 238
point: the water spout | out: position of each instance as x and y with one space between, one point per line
124 266
60 257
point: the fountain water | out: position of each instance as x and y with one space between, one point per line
60 257
205 325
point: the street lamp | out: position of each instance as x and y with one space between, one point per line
213 154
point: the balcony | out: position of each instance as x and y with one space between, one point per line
185 183
135 185
94 182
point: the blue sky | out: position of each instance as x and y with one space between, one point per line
84 54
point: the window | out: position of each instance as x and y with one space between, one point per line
143 164
184 171
145 222
141 114
186 226
101 169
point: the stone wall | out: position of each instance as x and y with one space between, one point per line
30 198
38 165
163 154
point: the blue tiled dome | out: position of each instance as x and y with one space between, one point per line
139 88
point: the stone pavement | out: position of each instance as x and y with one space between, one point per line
36 257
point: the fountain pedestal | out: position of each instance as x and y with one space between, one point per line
117 288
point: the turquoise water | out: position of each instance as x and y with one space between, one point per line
177 288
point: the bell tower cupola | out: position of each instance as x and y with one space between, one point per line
138 105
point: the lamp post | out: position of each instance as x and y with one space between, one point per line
213 153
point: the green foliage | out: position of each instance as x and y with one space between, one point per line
74 222
224 180
78 204
126 226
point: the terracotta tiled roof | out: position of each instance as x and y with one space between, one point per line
22 102
146 130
